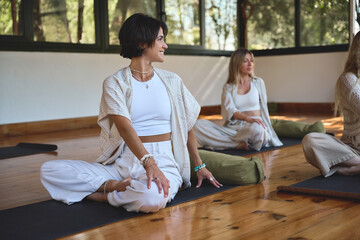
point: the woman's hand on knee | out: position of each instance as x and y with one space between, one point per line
153 173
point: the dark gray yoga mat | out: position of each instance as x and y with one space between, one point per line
52 219
333 186
23 149
287 142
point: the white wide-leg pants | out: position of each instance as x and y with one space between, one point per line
71 181
211 135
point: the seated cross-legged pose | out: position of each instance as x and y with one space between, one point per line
244 109
146 119
327 153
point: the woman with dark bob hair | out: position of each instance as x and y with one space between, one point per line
146 119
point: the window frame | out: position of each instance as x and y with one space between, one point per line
25 42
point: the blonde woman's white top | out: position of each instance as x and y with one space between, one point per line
249 101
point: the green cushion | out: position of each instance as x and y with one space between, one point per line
230 169
285 128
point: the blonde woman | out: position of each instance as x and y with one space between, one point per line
328 153
244 109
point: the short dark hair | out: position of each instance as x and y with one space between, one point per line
137 30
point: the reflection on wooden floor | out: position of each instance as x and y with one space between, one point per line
245 212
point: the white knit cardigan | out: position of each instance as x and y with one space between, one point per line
116 100
350 103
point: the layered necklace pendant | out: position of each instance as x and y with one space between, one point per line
146 83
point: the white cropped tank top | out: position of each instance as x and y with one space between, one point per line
151 109
249 101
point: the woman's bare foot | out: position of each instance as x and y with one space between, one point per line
243 146
349 167
111 185
354 170
117 185
97 196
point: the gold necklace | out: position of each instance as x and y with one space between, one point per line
147 72
145 83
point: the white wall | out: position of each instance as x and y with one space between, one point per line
301 78
36 86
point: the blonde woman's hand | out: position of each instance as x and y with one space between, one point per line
256 120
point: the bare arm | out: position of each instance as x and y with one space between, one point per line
194 153
129 135
132 140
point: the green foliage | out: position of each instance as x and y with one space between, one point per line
183 22
220 18
57 21
324 22
88 26
6 22
272 24
53 21
120 10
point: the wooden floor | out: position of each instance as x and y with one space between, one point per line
244 212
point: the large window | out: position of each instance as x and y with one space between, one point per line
196 27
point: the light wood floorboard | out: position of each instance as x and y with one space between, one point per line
244 212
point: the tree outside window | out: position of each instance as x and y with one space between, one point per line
67 21
10 18
271 24
324 22
221 25
183 20
120 10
